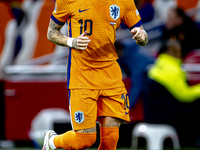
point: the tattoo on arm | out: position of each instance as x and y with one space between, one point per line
54 35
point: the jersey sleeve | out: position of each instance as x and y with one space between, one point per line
61 12
132 17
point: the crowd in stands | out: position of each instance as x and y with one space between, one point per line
168 99
157 79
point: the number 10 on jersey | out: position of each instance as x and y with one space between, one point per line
88 24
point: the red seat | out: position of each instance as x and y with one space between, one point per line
193 57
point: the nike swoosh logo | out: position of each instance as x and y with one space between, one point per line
83 10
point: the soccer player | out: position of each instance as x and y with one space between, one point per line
94 78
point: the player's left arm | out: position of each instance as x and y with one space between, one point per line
140 35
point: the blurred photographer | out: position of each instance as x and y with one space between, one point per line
170 100
180 26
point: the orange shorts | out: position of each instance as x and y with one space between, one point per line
86 105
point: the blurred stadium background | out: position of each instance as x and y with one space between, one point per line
33 95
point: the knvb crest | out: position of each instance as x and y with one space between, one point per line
79 117
114 11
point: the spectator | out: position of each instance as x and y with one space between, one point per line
180 26
134 63
170 100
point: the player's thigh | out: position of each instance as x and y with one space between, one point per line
83 108
114 103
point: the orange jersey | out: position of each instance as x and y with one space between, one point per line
95 67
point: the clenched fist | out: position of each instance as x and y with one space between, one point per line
140 35
81 42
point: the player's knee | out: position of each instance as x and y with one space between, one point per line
115 137
113 134
87 141
109 135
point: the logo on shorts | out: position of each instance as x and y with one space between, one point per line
126 103
79 117
114 11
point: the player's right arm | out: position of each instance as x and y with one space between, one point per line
54 35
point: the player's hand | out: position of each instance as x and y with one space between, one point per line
81 42
138 35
